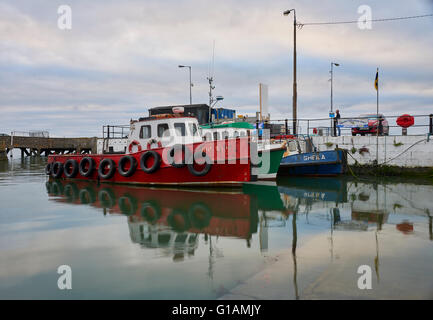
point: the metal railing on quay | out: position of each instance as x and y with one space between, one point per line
422 124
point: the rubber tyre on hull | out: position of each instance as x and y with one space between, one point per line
71 168
104 163
156 163
82 167
57 170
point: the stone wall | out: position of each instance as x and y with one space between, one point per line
403 151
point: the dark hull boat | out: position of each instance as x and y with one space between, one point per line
320 163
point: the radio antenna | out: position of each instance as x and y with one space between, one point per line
210 77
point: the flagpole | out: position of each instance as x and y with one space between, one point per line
377 118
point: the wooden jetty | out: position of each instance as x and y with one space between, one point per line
44 146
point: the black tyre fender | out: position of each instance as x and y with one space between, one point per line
71 165
128 204
87 195
57 170
107 198
150 211
82 166
199 215
106 162
171 153
48 168
132 167
173 218
156 163
207 165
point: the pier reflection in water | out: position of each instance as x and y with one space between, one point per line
299 238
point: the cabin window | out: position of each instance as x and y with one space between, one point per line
208 136
236 134
193 129
145 132
180 129
225 135
216 136
163 130
243 134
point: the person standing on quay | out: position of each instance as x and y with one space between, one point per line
337 117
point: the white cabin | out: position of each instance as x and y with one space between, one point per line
155 131
164 131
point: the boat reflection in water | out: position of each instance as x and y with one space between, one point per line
169 219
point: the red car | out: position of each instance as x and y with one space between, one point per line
372 125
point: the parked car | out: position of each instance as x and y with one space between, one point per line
372 125
4 135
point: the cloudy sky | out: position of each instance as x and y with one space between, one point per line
121 57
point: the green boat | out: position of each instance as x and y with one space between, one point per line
270 153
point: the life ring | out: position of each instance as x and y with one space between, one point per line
71 168
186 154
134 143
156 161
48 168
152 141
57 170
107 162
132 166
206 168
86 166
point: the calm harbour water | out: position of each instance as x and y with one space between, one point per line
299 238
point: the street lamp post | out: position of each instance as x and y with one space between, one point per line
295 94
332 78
190 83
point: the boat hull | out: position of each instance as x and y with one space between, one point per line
323 163
230 168
268 169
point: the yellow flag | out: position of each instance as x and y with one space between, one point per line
376 81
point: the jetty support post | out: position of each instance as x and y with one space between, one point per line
431 124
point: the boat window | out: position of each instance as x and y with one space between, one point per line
216 136
180 129
208 136
243 134
163 130
236 134
193 129
225 135
145 132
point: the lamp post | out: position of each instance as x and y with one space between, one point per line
295 94
332 79
190 83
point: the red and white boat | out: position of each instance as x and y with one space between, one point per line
162 150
